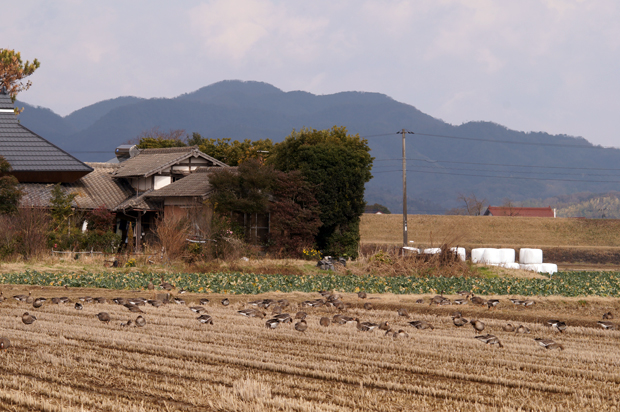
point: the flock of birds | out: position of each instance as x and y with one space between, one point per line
327 300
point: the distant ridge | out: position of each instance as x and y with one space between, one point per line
439 168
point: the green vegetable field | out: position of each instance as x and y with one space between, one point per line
562 283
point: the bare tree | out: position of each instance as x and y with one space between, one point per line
473 205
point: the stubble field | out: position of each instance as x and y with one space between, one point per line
68 360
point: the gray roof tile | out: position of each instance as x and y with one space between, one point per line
26 151
150 161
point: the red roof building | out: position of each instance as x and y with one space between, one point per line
520 211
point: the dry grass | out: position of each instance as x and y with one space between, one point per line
68 360
483 231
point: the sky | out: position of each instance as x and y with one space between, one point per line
530 65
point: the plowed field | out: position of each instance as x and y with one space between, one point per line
68 360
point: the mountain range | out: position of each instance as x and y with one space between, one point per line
445 160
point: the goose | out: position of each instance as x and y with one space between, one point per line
517 301
365 326
508 328
137 301
606 325
492 303
549 344
362 295
5 343
22 298
456 314
477 300
155 303
465 293
225 302
421 324
401 334
608 315
301 315
340 305
272 323
133 308
38 302
120 301
182 291
477 325
461 301
403 312
150 285
126 324
103 316
528 303
86 299
197 309
523 329
252 313
140 321
301 326
179 301
559 325
284 303
490 340
459 321
342 319
283 318
324 321
78 306
437 300
64 299
384 325
419 301
28 319
324 293
206 319
204 301
56 301
368 306
276 310
100 300
165 285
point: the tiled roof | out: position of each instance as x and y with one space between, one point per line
193 185
96 189
28 152
150 161
519 211
140 202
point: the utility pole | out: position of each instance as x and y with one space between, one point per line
404 132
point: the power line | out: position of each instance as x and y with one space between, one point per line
499 164
501 177
477 139
517 171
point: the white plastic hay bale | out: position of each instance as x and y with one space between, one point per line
491 257
460 252
410 250
506 256
530 256
549 268
432 251
476 255
532 267
512 265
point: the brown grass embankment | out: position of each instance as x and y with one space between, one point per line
68 360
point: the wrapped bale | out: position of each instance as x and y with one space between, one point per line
549 268
530 256
460 252
506 256
408 250
476 255
532 267
512 265
432 251
491 257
